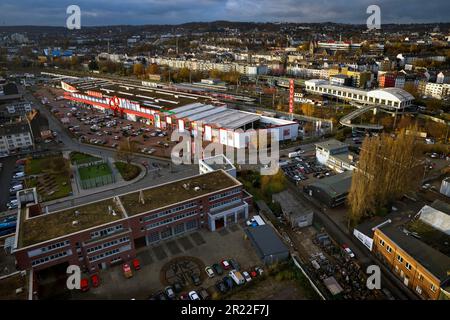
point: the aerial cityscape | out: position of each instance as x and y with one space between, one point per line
225 150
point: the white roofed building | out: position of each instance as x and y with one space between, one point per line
389 98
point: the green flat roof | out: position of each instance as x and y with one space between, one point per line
9 284
178 191
59 223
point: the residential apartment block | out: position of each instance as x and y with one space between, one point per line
15 136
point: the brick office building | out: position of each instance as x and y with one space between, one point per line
106 232
422 268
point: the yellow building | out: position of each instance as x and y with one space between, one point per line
359 79
422 268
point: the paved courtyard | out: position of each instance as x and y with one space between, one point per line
202 245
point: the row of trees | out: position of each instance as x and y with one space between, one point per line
387 168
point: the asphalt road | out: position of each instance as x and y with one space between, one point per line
5 179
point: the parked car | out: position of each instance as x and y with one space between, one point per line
217 269
246 276
84 285
259 270
253 274
160 296
95 279
203 293
196 279
15 188
13 204
169 292
228 282
225 264
194 295
210 272
237 277
127 270
234 264
184 296
221 287
177 287
136 264
348 251
19 174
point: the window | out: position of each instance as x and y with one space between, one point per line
433 288
105 232
224 203
420 277
179 228
52 257
48 248
399 258
166 233
419 290
191 224
224 194
381 242
388 249
153 237
408 266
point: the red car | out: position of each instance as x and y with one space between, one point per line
253 274
225 264
184 296
95 280
136 264
84 285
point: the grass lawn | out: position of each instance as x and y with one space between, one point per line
80 158
127 171
94 171
52 178
61 186
39 165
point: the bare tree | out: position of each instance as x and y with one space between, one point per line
126 151
387 168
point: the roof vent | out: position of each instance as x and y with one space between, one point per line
77 213
75 222
197 188
141 197
19 290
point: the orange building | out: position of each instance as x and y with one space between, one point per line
422 268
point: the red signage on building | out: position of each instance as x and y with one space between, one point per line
291 96
95 94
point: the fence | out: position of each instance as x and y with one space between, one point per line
96 181
313 285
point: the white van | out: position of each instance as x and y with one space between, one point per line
237 277
16 188
19 175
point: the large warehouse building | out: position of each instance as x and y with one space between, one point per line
166 108
389 98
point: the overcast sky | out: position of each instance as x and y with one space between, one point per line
135 12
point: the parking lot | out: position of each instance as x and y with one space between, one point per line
302 168
94 126
198 249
